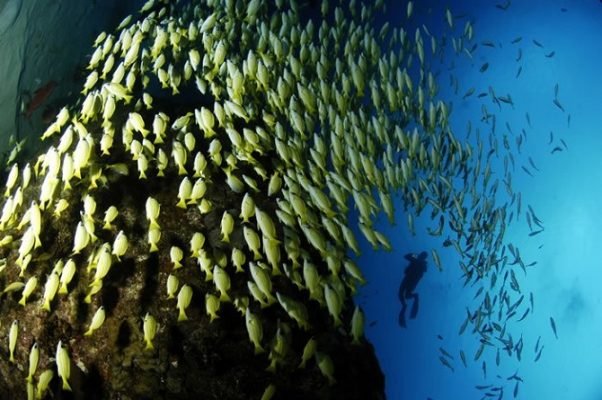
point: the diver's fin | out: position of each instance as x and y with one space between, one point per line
402 319
414 311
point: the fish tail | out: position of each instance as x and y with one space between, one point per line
275 270
271 367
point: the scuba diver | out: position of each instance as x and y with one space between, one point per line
412 276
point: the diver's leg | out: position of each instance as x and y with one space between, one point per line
402 317
402 313
414 311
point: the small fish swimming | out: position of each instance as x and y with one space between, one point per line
553 325
446 363
520 69
504 6
526 170
537 344
506 99
468 93
479 352
445 353
556 149
463 357
535 219
557 104
524 315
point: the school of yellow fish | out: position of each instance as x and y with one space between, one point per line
314 115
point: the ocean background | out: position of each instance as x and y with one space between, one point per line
565 194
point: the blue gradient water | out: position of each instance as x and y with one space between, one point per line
566 195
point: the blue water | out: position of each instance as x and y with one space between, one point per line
565 194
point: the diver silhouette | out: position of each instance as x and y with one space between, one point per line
412 276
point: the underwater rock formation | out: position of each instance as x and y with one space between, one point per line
9 10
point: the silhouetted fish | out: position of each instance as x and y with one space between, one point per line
504 6
553 325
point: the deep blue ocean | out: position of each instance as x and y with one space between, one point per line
537 52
